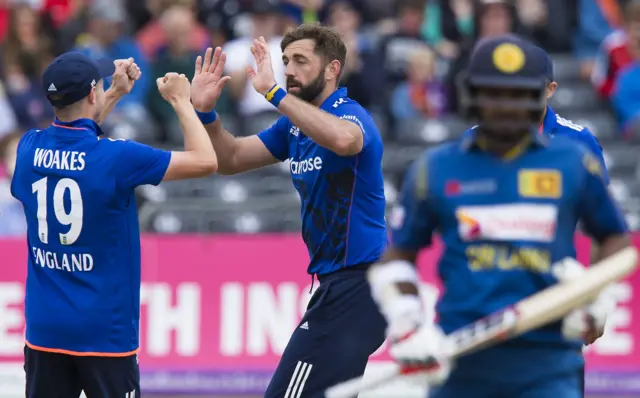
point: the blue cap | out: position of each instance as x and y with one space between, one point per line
509 61
548 67
71 76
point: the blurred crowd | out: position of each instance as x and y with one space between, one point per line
403 55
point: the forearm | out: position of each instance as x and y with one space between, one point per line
196 140
340 136
111 99
609 247
226 146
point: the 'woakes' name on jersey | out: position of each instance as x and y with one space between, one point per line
343 203
83 279
503 223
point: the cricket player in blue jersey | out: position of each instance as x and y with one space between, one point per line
335 156
505 200
553 125
82 304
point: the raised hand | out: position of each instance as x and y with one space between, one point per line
125 76
262 77
208 82
174 88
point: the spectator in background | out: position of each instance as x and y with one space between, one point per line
493 18
596 20
396 48
619 49
151 37
220 18
446 24
106 38
362 65
25 53
12 221
265 21
421 96
8 121
547 22
625 98
178 24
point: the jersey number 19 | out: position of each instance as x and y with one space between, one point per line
73 218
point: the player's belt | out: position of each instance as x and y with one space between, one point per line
346 271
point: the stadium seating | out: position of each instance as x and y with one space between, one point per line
265 200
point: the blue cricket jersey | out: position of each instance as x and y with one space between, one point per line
83 281
555 125
503 222
343 203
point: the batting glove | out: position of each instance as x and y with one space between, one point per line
586 323
419 347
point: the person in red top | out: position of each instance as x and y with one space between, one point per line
618 50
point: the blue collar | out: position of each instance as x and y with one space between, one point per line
335 96
549 122
470 140
79 125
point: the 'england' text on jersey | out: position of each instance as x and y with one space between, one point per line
69 262
60 160
305 165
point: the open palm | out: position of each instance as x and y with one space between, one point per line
262 76
208 82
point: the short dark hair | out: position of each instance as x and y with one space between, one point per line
329 44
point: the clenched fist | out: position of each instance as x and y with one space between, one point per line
125 76
174 88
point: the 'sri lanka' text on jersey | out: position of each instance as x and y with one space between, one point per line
503 223
343 203
83 281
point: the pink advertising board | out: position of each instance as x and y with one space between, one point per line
218 311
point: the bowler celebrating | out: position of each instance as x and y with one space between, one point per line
335 153
82 304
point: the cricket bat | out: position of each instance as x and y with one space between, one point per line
530 313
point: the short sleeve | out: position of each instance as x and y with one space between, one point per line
412 223
357 115
276 140
140 164
600 215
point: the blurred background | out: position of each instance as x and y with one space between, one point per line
223 266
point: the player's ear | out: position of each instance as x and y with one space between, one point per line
551 89
92 97
332 70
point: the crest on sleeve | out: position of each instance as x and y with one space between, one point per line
593 165
508 58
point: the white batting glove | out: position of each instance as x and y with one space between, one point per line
420 348
586 323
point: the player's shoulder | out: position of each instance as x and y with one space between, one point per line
349 109
440 153
569 150
565 125
116 147
345 104
571 129
29 139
